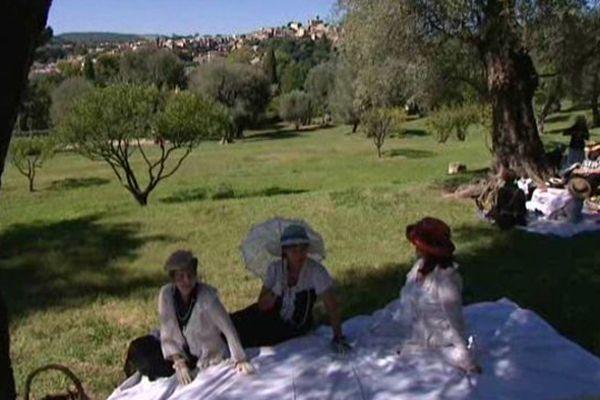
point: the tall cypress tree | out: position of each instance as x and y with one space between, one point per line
270 66
89 72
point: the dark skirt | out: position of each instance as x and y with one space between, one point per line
258 328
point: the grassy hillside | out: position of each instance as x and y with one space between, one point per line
81 262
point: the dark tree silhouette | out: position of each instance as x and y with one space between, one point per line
23 24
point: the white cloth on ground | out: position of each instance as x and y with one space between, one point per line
523 358
203 331
589 223
549 200
431 314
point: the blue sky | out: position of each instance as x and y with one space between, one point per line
181 16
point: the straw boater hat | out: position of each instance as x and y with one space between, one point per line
579 188
181 259
431 236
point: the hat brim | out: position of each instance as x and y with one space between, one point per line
584 193
275 248
441 250
444 249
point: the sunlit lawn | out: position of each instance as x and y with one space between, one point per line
81 262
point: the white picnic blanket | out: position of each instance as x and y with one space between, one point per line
590 223
521 355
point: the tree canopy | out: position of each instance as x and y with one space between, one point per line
117 122
295 107
243 89
319 85
65 95
482 46
152 65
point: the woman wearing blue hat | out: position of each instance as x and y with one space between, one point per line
290 289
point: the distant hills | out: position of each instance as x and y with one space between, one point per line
97 37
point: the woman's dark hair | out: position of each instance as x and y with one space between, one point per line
430 262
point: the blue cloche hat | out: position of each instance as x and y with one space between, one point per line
294 235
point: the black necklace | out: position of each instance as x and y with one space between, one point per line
182 311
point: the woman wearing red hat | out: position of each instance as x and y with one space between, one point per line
431 297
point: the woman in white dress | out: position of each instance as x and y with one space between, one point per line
193 321
431 303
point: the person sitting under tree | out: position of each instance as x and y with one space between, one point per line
579 134
292 286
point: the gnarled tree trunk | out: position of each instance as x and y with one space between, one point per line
7 383
594 101
512 80
515 139
22 23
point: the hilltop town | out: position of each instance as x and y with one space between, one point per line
195 49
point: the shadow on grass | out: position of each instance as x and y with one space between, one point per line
407 133
409 153
272 135
365 289
69 263
225 193
557 278
451 183
313 128
76 183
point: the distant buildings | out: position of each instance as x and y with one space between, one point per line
201 49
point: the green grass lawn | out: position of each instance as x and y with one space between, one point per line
81 262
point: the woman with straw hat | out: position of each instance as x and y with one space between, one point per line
431 302
579 190
291 286
193 321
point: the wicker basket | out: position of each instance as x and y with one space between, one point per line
79 394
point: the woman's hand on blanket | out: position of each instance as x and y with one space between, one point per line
340 344
182 372
244 367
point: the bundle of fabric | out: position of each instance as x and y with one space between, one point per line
521 355
547 201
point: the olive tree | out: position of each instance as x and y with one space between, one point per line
243 89
319 85
490 55
456 120
343 101
65 95
378 124
295 107
119 123
29 154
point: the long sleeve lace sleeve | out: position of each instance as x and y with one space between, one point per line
449 291
171 339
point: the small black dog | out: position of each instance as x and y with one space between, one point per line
145 355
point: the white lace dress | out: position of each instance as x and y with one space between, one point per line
429 314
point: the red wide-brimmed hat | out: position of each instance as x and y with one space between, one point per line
431 236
